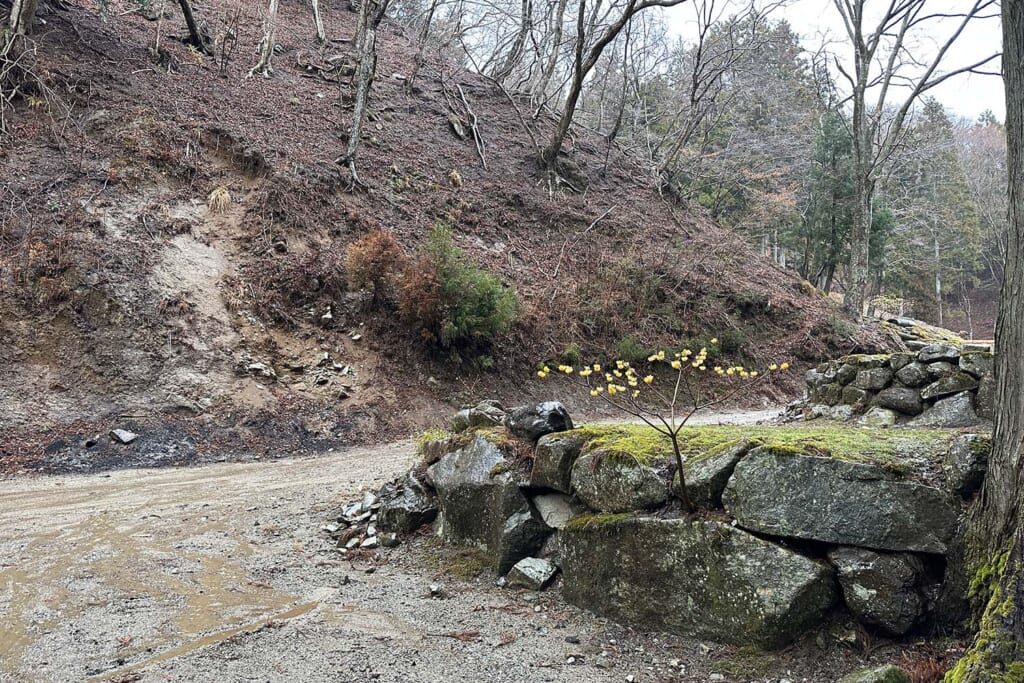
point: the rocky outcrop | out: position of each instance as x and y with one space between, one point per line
937 386
879 674
966 463
699 578
824 499
484 414
483 505
880 589
708 473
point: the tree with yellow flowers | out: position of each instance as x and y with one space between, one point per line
664 403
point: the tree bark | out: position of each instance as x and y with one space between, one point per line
997 525
23 13
264 67
371 13
196 37
321 34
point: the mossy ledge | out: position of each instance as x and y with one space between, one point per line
898 451
595 522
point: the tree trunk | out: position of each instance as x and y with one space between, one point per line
266 49
371 13
196 37
515 54
321 34
860 245
997 524
23 13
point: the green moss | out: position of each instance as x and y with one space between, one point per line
499 468
895 450
858 358
465 564
499 436
594 522
430 435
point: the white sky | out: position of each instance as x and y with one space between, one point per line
818 21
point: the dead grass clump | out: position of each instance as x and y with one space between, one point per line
373 262
280 288
219 201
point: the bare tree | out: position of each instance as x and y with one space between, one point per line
585 59
23 13
321 34
886 61
265 50
371 13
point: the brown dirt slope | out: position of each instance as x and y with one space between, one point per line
126 300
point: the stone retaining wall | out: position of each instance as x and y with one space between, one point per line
938 386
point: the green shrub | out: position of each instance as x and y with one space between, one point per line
631 349
452 302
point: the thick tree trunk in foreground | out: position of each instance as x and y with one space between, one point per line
997 540
196 37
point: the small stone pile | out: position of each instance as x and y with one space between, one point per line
938 386
357 526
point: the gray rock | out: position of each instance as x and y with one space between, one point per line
874 379
556 509
866 361
123 436
977 363
954 411
834 501
532 573
553 461
898 361
852 396
846 374
814 379
878 674
708 473
611 482
484 414
483 506
947 386
533 422
907 401
830 394
880 589
966 463
840 413
696 578
934 352
940 369
914 375
975 346
985 398
407 506
878 417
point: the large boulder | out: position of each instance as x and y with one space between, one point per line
697 578
556 509
853 396
484 414
947 386
953 411
966 462
407 506
830 500
533 422
878 417
613 482
902 399
880 589
708 473
553 461
898 361
483 506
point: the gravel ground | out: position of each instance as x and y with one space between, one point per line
222 572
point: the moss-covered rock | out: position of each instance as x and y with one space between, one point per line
939 352
880 589
610 482
878 674
902 399
873 379
949 412
696 578
914 375
966 463
977 363
947 386
708 473
823 499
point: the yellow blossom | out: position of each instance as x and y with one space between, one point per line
648 379
714 340
594 392
676 365
784 366
773 367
